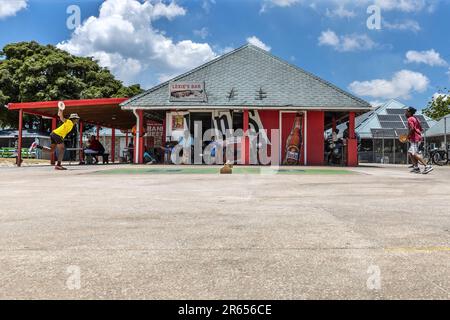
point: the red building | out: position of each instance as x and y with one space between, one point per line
250 89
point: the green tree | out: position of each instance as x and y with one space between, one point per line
33 72
439 106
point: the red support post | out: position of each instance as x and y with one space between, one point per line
98 132
351 126
81 141
141 136
164 137
19 142
52 156
113 145
246 142
314 138
352 143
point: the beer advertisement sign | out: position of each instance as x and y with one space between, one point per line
187 92
293 127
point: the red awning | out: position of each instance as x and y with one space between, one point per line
103 112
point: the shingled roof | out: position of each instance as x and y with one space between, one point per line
251 77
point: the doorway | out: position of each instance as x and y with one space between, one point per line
204 117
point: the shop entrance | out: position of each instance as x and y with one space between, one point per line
204 117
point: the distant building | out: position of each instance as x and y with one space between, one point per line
8 139
379 131
439 134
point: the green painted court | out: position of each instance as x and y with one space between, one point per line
215 170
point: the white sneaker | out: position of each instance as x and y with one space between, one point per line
427 170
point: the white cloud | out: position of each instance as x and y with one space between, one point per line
340 12
402 5
256 42
430 57
346 43
439 95
329 38
207 4
277 3
376 103
123 39
402 85
407 25
11 7
202 33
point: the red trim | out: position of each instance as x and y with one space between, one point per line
19 142
352 143
245 142
113 145
81 141
68 103
141 136
351 126
315 139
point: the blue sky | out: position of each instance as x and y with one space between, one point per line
148 42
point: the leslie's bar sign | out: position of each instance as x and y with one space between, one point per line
187 91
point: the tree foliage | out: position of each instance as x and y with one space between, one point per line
439 106
32 72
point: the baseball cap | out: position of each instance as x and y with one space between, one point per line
74 116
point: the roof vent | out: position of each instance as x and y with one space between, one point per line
261 94
232 94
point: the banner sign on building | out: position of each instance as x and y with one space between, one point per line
154 134
187 92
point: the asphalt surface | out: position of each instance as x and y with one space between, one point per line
379 233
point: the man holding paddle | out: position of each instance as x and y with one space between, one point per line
58 135
415 137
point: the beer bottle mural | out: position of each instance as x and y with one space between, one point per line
294 142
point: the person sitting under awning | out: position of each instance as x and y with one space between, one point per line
95 148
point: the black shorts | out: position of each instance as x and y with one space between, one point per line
55 139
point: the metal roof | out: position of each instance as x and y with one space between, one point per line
253 78
104 112
441 128
387 120
26 133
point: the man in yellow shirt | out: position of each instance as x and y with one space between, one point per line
57 137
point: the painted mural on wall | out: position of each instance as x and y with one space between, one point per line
223 121
294 142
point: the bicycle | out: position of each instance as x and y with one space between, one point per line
436 156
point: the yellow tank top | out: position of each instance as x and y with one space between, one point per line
64 129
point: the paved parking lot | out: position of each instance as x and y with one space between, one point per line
374 233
